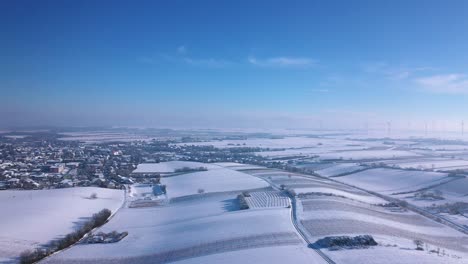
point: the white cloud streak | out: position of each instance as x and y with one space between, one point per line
210 62
282 62
182 49
394 72
445 83
320 90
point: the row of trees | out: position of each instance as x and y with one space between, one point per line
98 219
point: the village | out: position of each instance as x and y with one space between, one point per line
41 161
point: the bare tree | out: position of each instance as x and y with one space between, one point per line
419 244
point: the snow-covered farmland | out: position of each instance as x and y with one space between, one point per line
326 216
33 218
437 164
101 137
271 255
395 253
445 147
367 154
339 169
393 181
218 180
238 166
279 143
308 152
186 229
356 196
171 166
272 199
457 188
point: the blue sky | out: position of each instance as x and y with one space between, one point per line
234 63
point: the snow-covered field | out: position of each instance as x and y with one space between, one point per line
217 180
445 147
397 254
339 169
318 150
16 136
238 166
393 181
368 154
457 187
277 143
101 137
186 229
272 199
33 218
171 166
326 216
437 164
361 197
271 255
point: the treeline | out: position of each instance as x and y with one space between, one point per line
189 169
97 220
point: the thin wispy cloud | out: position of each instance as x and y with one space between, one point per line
146 60
320 90
182 49
394 72
445 83
181 56
210 62
282 61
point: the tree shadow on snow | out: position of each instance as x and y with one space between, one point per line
76 226
230 205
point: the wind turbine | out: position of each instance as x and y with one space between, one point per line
463 128
389 127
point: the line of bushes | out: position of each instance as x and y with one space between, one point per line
32 256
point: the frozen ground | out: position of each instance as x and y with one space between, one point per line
186 229
357 196
368 154
458 188
33 218
390 181
218 180
101 137
437 164
393 255
278 143
318 150
272 199
199 227
339 169
445 147
326 216
271 255
171 166
238 166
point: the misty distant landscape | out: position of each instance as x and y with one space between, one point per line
226 132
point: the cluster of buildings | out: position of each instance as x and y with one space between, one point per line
42 164
45 162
